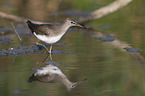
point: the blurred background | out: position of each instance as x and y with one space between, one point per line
109 70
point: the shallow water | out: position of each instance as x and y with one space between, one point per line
109 70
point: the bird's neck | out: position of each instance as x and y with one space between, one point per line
65 81
64 27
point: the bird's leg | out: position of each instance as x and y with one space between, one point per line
50 48
43 46
48 56
49 51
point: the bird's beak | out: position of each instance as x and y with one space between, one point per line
81 81
81 26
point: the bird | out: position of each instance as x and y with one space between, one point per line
51 33
52 74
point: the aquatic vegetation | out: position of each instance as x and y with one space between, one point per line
107 38
106 27
17 92
60 52
41 47
76 13
53 63
5 40
23 50
71 13
131 49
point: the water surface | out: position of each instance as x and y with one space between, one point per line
109 70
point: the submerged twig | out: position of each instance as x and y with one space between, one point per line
19 18
14 58
16 32
139 57
12 17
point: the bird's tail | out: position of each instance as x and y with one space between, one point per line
32 78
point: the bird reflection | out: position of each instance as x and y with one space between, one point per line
52 74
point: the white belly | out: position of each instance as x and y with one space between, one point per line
49 40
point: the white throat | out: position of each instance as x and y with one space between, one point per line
48 69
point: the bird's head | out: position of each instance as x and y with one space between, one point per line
71 22
73 85
28 22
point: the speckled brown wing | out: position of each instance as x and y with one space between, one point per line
46 29
41 29
42 78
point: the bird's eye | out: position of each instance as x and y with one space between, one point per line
54 69
72 22
74 85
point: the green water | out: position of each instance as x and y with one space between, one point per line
110 71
